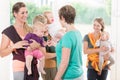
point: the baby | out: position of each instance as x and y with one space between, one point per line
58 35
104 42
52 24
37 35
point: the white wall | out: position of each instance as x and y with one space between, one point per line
115 31
5 63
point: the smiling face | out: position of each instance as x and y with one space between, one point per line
97 27
20 12
49 16
21 15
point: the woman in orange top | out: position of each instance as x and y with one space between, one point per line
92 51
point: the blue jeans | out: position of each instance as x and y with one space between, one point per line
93 75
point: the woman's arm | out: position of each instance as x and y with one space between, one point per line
35 45
50 55
63 64
88 50
6 48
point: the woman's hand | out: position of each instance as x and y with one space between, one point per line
103 48
20 44
34 45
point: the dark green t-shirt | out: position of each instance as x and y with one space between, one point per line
50 49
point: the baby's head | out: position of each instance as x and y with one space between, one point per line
39 29
39 25
49 16
59 34
40 18
104 36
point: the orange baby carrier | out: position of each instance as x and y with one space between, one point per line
94 57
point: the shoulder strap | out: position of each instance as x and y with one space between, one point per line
12 34
92 40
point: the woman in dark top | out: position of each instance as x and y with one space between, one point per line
92 51
12 42
50 61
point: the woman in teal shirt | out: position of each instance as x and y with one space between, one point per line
69 48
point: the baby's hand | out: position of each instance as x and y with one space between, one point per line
51 43
112 50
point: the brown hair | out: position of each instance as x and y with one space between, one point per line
101 22
40 18
16 8
67 12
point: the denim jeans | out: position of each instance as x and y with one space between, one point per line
93 75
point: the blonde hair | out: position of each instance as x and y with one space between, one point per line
40 18
38 23
27 27
106 34
47 12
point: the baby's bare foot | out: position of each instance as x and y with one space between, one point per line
109 67
29 72
99 73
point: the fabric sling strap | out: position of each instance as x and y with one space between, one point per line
94 57
11 33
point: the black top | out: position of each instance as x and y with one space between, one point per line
49 49
12 34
